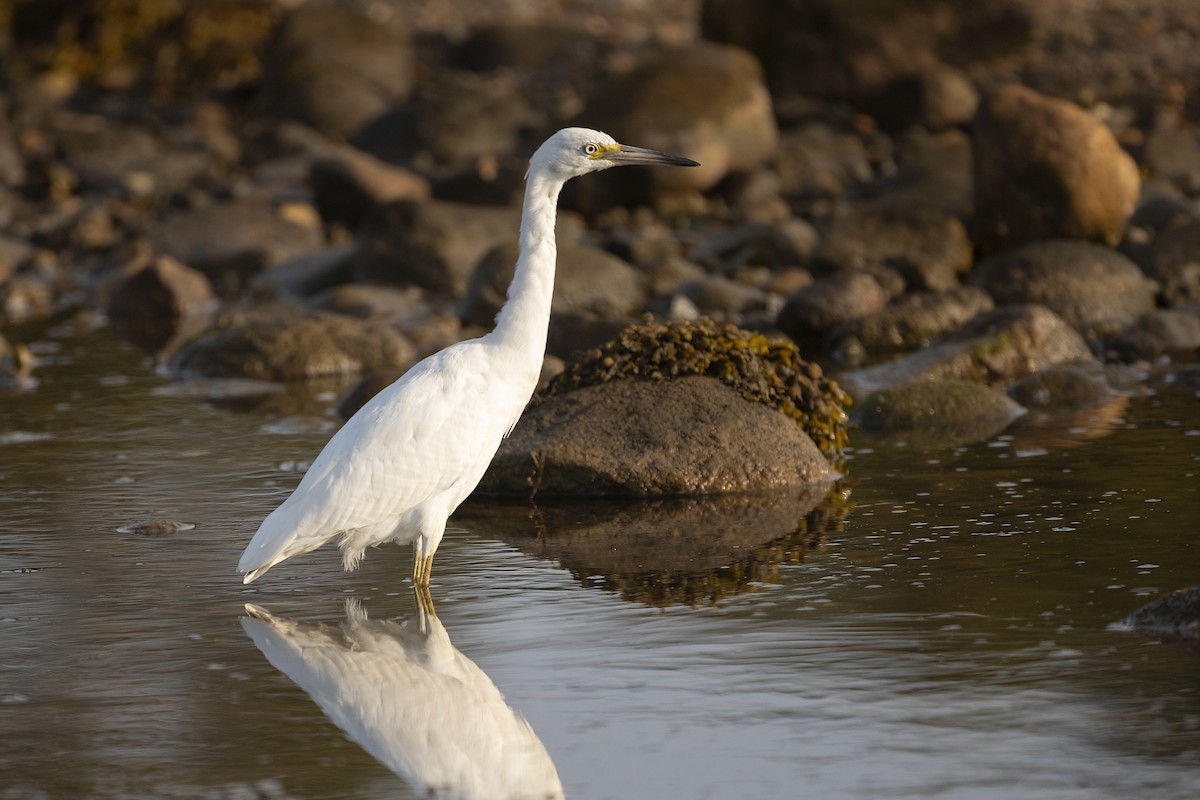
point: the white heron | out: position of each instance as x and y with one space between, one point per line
413 701
401 466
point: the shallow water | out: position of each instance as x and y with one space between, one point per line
947 635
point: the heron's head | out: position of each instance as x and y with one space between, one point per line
577 151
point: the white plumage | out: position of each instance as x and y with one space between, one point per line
414 702
405 461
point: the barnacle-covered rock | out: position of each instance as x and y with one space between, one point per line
760 368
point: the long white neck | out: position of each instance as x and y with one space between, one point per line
522 324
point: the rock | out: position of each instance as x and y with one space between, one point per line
929 248
1173 152
335 68
26 297
233 242
932 172
434 245
398 306
348 184
995 348
834 300
1161 332
1045 168
289 345
587 281
1095 289
815 161
1174 618
125 159
943 411
1175 264
462 117
160 302
306 275
1063 387
781 244
692 435
935 98
907 323
16 367
703 101
722 298
851 49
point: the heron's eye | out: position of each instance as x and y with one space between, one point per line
591 149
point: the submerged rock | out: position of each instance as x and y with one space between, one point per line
1174 618
939 411
290 345
995 348
693 435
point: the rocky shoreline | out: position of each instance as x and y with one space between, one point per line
908 204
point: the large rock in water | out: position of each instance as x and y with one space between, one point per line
943 412
1045 168
995 348
283 346
693 435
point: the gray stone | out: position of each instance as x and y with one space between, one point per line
834 300
284 345
907 323
1095 289
995 348
1157 333
686 436
161 302
944 411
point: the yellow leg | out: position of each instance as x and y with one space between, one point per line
424 604
422 568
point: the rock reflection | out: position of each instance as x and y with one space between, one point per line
692 551
413 701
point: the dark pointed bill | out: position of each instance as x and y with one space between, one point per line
640 155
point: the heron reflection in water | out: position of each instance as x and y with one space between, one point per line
413 701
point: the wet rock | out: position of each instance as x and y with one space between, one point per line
587 280
702 100
762 369
692 435
306 275
289 345
157 527
434 245
907 323
1175 264
853 48
941 411
1162 332
233 242
929 248
834 300
1174 618
1093 288
1045 168
335 68
1064 387
995 348
160 302
348 184
16 367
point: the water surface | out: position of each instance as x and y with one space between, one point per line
945 634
